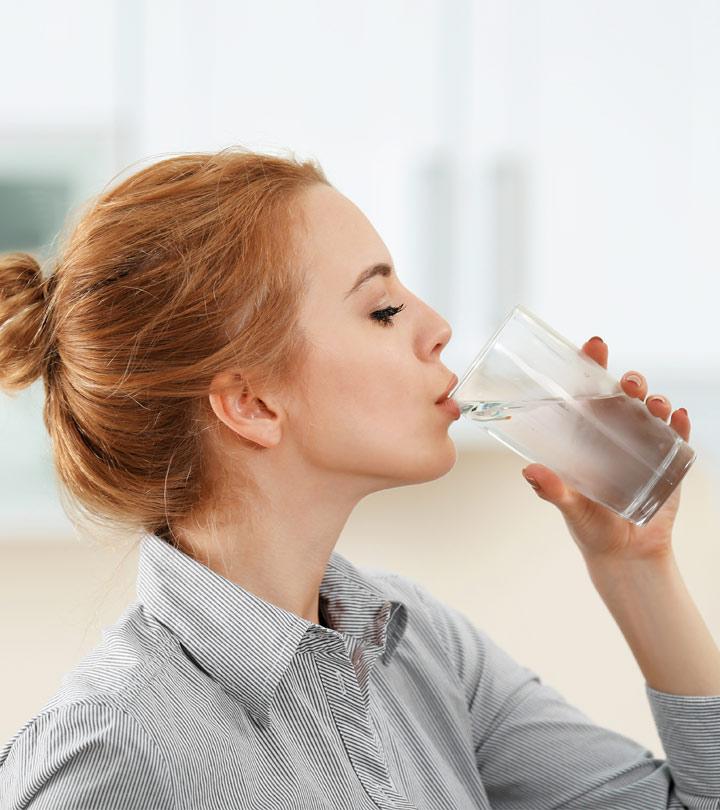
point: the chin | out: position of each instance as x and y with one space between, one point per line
444 462
429 464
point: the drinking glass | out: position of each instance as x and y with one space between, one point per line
544 398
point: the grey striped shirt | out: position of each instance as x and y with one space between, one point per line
203 695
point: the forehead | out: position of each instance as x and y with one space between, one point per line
338 239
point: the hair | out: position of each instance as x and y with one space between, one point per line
186 268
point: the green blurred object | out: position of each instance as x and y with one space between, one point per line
32 211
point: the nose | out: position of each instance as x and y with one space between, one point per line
444 338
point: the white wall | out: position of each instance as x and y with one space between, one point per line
558 154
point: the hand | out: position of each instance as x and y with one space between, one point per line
600 533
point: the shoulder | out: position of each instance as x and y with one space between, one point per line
417 597
95 719
394 584
470 652
130 654
83 754
431 622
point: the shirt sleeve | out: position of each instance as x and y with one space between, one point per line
84 755
535 751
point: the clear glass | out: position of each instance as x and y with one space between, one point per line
544 398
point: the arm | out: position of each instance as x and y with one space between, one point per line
661 623
634 570
84 755
679 659
535 751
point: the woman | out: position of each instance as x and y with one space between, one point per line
231 364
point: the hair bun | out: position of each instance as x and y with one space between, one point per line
23 345
22 267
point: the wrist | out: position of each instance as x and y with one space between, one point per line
608 569
630 587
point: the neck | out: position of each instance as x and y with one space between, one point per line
282 561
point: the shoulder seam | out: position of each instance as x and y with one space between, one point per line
145 671
110 700
110 706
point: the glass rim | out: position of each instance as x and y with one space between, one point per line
518 309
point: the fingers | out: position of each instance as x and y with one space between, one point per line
680 422
597 350
634 384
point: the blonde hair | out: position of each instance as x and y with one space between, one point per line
185 268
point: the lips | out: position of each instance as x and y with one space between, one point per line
453 382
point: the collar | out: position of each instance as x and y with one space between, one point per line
247 643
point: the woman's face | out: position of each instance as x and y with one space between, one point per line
370 387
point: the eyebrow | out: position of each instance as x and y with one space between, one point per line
380 269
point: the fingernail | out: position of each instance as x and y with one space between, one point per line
596 337
533 483
634 379
657 399
683 410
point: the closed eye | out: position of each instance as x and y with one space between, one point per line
385 316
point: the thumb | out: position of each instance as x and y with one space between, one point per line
550 487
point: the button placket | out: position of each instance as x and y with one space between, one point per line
358 731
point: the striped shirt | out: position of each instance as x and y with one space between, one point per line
203 695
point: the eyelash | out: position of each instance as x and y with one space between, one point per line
385 316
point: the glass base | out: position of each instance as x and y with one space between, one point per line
661 485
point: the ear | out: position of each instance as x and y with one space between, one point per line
243 411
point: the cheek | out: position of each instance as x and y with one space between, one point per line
354 408
349 395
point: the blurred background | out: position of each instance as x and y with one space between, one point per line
561 154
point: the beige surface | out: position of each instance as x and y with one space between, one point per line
479 538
